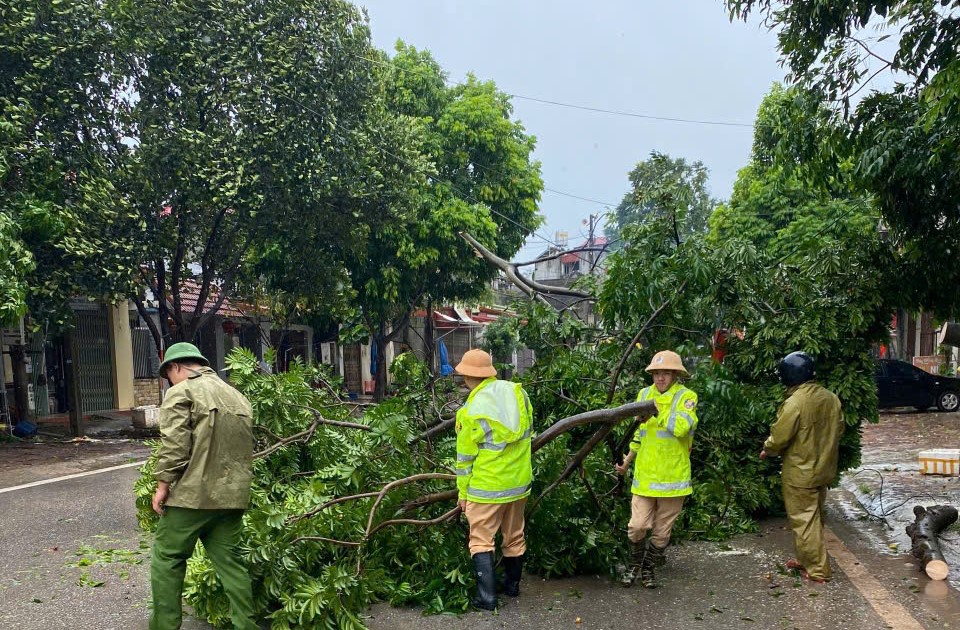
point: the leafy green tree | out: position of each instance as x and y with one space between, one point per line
60 212
904 140
663 188
480 180
256 130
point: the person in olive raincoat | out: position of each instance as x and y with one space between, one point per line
807 435
203 470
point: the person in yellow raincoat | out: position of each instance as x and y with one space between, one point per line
661 479
494 472
807 435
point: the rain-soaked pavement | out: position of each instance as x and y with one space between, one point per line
738 584
888 483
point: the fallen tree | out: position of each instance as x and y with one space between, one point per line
923 532
354 504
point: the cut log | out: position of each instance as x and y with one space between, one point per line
923 532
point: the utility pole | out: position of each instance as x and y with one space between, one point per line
590 243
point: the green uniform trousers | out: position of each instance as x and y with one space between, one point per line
805 514
177 535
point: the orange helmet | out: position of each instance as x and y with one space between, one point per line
666 360
476 363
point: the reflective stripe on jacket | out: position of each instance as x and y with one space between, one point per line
493 443
663 443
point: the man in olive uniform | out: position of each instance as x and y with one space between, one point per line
494 472
203 472
807 434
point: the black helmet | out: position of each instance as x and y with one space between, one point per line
796 368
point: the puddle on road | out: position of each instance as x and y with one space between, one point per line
892 505
889 485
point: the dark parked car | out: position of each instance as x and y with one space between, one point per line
900 384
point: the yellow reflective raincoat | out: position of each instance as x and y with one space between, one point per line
493 443
663 443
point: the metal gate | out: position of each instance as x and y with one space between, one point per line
92 354
39 392
146 361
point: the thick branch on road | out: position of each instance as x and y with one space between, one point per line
608 417
923 533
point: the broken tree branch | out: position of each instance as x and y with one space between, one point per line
437 429
446 516
606 416
307 434
331 502
923 534
530 287
615 375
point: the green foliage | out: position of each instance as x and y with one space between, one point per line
317 584
902 143
60 207
480 178
663 187
500 339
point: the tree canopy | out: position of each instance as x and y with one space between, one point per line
902 141
660 185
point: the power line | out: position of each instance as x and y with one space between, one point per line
600 110
615 112
605 204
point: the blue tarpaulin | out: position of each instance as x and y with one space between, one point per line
373 357
445 368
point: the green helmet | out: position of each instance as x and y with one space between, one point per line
181 351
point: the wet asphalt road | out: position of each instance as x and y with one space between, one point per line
706 585
41 530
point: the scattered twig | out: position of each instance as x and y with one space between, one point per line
322 507
307 434
446 516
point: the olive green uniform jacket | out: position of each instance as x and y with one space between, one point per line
807 433
206 449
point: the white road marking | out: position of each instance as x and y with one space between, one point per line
73 476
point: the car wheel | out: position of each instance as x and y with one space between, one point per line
948 401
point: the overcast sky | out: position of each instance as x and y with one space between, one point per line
670 58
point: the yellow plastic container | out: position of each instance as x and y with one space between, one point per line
940 461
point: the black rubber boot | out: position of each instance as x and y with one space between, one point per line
486 597
637 552
513 568
652 559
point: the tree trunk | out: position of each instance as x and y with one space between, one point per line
428 342
71 379
923 533
21 398
380 343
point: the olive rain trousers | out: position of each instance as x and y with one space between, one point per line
805 514
177 535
